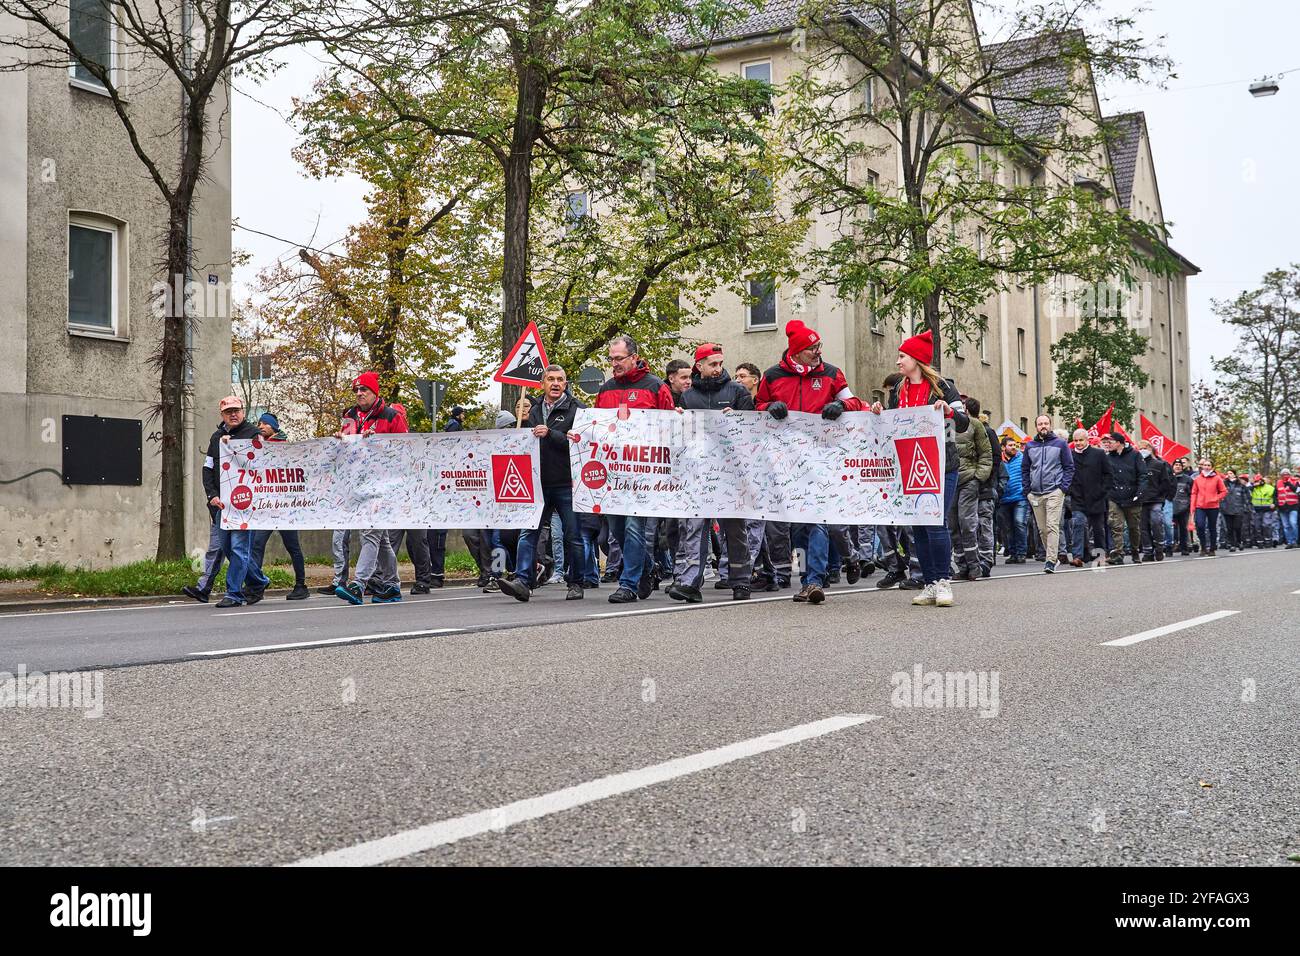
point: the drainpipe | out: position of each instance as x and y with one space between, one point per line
1173 359
1038 363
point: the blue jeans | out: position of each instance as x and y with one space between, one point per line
1015 515
557 499
1207 528
238 549
1290 518
933 543
816 544
1081 525
630 532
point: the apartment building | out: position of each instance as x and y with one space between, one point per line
80 242
1009 367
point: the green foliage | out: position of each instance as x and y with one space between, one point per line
141 578
1096 364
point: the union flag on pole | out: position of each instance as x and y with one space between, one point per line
1166 448
1105 425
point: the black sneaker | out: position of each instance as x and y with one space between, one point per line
252 596
328 589
852 572
419 589
493 585
680 592
388 595
196 593
350 593
646 587
436 583
833 577
515 588
740 593
576 593
622 596
229 602
608 577
590 584
721 585
910 584
299 593
889 580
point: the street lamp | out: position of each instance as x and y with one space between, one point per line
1265 87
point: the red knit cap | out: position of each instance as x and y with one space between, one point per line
920 347
800 336
369 380
705 350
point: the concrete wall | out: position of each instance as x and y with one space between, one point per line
63 150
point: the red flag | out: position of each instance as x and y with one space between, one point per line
1166 448
1105 425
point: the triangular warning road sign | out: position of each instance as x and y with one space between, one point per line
526 363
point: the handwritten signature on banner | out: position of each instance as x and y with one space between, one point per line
861 469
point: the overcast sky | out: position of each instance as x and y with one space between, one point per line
1224 160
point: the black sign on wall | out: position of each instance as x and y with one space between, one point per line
102 451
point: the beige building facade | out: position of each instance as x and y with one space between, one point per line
80 239
1009 368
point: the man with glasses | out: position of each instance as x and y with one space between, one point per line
377 562
632 386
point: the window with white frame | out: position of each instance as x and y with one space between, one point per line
760 304
873 184
982 344
251 368
760 71
93 254
875 324
91 28
869 94
979 243
579 208
1020 350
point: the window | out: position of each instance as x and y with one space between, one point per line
873 310
1020 350
91 28
760 309
1024 425
873 184
979 243
92 275
982 344
1163 346
761 72
869 94
251 368
959 346
1164 398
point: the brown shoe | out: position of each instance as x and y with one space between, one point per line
811 594
1077 562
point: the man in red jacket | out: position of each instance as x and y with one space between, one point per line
802 382
632 386
377 562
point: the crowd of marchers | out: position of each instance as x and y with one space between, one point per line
1060 499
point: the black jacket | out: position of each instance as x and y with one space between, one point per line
1157 481
1126 471
1091 482
715 394
1183 492
555 446
992 489
1237 501
959 422
211 483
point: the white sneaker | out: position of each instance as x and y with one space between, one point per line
926 597
943 594
709 573
556 578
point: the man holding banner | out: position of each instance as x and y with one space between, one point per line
803 382
551 420
632 386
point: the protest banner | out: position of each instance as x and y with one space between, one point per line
861 469
478 479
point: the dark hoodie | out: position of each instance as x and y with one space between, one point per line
715 394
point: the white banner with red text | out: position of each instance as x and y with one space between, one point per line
861 469
478 479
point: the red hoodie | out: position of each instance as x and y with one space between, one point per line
382 419
805 389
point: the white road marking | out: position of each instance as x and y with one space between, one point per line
1168 629
195 605
321 643
420 839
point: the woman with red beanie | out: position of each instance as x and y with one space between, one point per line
802 382
923 385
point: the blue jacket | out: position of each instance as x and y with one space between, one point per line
1048 467
1015 487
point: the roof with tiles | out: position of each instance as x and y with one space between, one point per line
1124 152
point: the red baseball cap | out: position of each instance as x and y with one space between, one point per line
705 350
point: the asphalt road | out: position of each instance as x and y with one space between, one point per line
723 733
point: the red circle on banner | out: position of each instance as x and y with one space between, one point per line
595 509
884 496
844 477
469 455
225 466
257 443
241 497
250 456
243 526
594 475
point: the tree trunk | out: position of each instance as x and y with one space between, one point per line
932 323
530 95
170 361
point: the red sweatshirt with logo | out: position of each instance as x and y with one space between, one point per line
805 389
637 389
